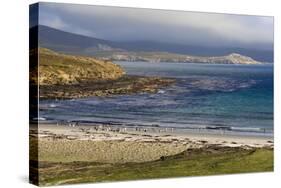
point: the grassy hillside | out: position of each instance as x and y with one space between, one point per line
192 162
56 68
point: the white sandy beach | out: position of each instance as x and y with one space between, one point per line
86 143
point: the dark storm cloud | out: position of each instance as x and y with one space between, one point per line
131 24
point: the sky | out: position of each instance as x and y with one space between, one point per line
180 27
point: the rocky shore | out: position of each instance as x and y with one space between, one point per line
120 86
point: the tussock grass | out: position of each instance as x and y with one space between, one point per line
193 162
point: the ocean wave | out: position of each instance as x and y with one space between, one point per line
161 91
248 129
39 119
198 126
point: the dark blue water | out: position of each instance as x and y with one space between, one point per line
239 97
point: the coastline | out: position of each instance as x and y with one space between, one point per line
65 76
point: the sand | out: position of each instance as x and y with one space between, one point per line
110 145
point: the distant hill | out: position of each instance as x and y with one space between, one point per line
232 58
57 68
70 43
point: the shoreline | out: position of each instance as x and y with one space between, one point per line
86 143
155 128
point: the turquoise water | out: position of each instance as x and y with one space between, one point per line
238 98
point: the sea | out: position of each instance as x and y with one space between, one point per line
236 99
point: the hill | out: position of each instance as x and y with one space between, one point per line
56 68
233 58
76 44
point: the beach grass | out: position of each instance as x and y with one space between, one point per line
212 160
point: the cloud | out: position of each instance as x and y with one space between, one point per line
56 21
121 24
